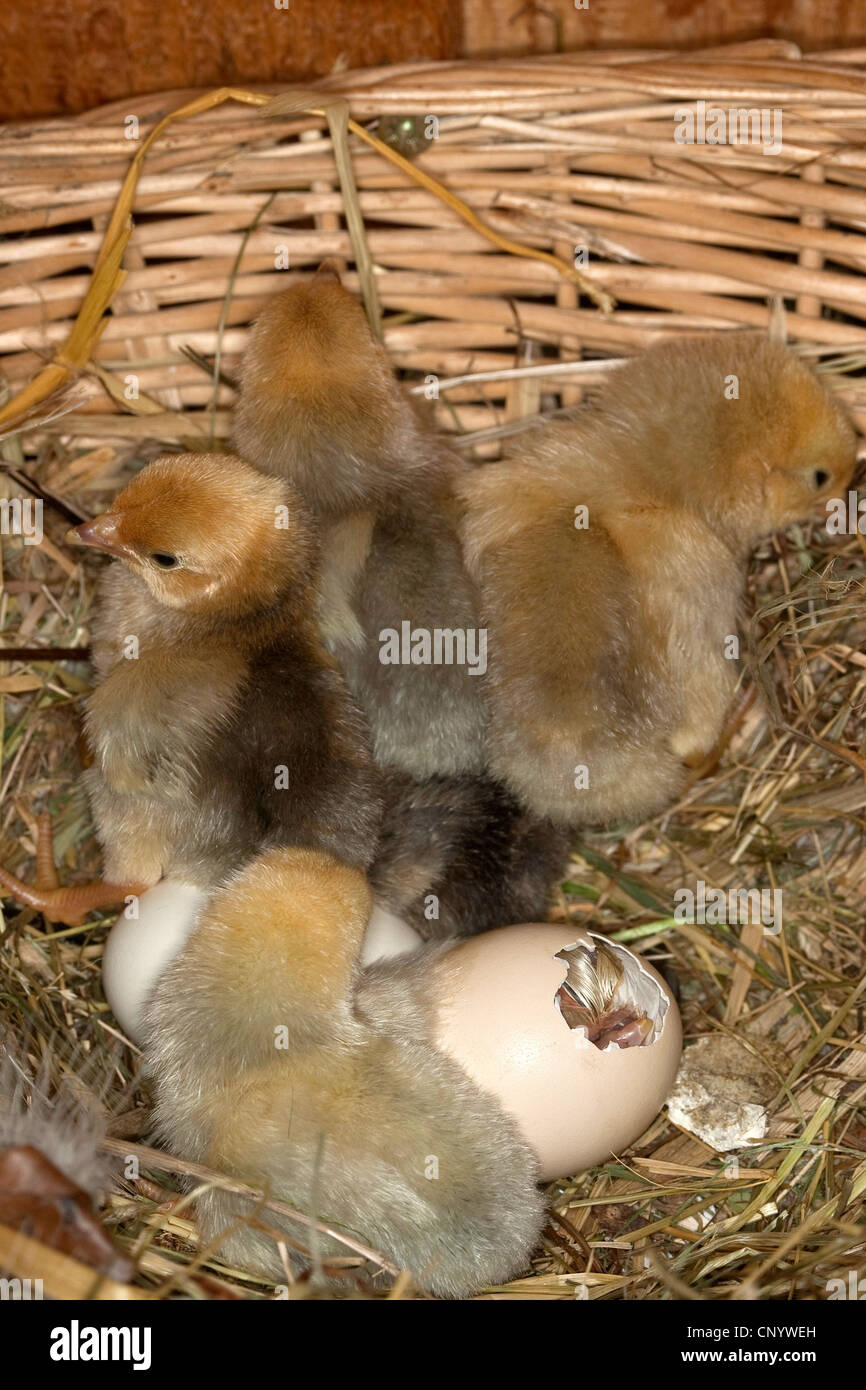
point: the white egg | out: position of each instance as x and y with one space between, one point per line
140 947
499 1015
387 935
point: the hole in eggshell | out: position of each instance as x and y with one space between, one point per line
607 996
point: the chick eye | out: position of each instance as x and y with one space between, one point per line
164 560
820 478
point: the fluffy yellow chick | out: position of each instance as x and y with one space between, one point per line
611 549
267 1066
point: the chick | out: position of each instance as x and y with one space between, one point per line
319 405
460 855
220 725
611 549
363 1125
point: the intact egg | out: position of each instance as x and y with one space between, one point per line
142 942
577 1037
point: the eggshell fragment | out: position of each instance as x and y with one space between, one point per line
723 1086
499 1018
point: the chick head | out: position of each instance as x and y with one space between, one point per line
799 449
207 533
743 428
731 425
313 334
319 403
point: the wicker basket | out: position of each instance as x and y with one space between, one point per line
561 153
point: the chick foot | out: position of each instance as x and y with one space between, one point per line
68 906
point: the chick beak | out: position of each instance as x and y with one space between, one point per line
102 533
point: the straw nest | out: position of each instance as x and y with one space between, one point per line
130 269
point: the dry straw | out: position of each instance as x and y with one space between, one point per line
178 235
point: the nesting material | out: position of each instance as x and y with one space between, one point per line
51 1167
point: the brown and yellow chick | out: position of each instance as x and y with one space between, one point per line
320 406
611 549
220 726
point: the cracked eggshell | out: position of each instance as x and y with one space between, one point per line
498 1017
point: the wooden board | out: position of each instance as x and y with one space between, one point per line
62 57
509 26
59 57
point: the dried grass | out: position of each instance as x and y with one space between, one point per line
555 152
